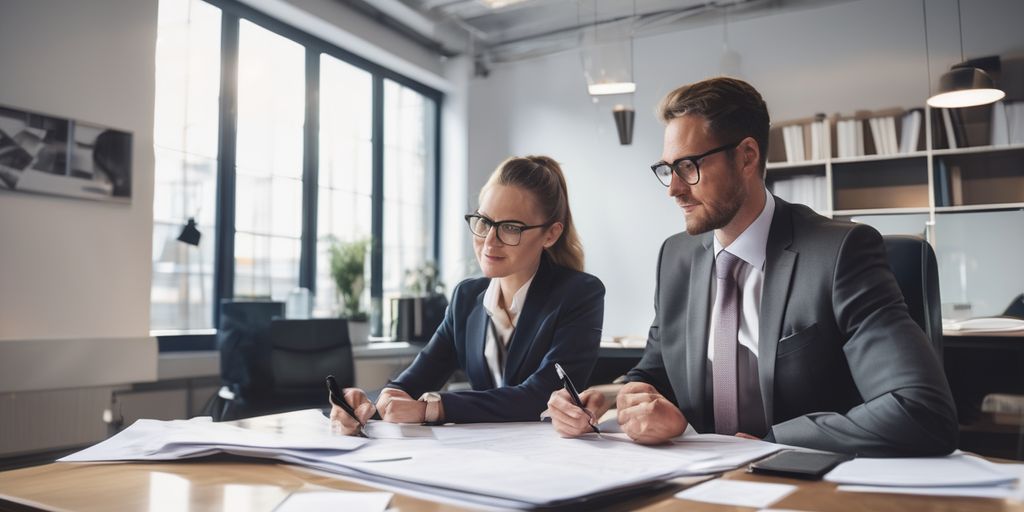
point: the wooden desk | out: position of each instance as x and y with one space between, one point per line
257 486
260 486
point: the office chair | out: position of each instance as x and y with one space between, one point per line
913 263
271 365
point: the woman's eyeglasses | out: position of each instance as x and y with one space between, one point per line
509 232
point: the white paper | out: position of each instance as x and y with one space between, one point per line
177 439
737 493
957 469
511 465
998 492
306 501
1014 491
384 430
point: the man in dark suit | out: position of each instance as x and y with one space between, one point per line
771 321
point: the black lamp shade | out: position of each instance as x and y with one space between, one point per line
965 87
624 124
190 234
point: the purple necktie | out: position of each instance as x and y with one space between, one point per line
726 329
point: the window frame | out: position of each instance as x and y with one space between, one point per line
232 12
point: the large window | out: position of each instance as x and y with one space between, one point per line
408 185
185 174
279 145
268 174
346 168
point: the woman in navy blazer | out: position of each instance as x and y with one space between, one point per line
533 308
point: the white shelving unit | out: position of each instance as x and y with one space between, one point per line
906 183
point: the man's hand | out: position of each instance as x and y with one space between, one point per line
646 416
344 423
396 406
571 421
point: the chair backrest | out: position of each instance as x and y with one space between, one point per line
913 263
243 344
304 352
270 364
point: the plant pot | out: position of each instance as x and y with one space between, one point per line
359 332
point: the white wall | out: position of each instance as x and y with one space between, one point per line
866 54
75 268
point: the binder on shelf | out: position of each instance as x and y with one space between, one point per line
805 130
956 186
799 140
1000 130
939 139
1015 121
866 139
911 135
975 125
942 192
776 145
883 131
952 122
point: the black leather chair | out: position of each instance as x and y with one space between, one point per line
271 365
913 262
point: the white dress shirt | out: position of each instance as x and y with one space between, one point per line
504 322
750 247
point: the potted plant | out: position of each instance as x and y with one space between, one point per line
348 261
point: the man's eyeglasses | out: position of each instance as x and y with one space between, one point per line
509 232
687 167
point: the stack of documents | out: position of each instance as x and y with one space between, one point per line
507 465
199 437
988 324
958 474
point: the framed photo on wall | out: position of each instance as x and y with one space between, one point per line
50 155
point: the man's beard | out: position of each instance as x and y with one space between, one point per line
718 213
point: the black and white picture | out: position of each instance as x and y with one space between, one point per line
50 155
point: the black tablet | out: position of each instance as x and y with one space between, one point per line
799 464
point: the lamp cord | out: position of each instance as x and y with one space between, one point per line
960 29
927 53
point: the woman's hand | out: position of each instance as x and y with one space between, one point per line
571 421
342 421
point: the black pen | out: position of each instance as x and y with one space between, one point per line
567 384
337 398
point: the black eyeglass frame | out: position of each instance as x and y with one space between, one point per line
497 224
694 159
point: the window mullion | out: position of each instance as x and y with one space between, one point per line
224 254
310 171
377 215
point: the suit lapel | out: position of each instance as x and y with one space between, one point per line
697 327
778 274
476 337
526 325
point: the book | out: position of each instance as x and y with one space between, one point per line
942 194
776 145
877 137
947 123
1015 122
1000 134
911 131
956 186
891 143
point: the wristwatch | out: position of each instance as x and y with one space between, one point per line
432 416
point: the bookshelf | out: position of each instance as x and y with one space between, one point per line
968 201
928 180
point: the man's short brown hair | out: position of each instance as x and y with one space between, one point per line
733 109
